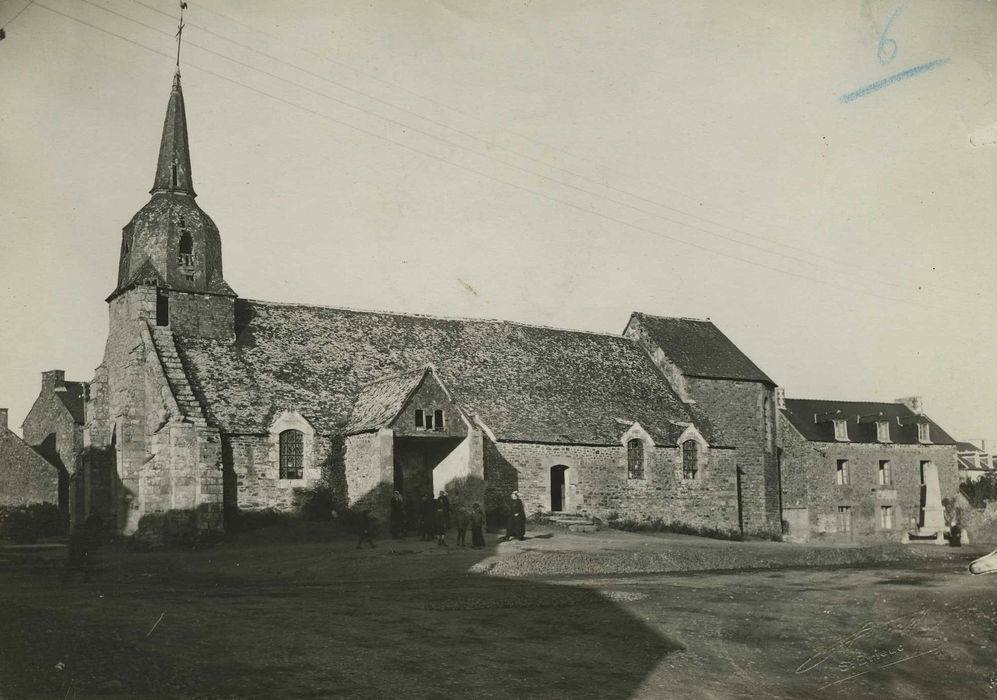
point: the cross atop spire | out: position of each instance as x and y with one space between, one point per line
180 26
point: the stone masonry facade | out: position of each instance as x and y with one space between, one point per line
812 496
598 483
25 476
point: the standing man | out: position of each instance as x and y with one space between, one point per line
397 524
477 527
427 516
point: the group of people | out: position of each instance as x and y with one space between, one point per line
435 518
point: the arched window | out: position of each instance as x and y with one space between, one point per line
690 459
186 243
635 459
185 255
292 454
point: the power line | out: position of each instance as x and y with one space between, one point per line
821 256
11 20
479 173
457 145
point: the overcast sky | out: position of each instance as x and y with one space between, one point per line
562 162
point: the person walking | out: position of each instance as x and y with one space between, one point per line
84 540
477 520
516 527
365 528
397 522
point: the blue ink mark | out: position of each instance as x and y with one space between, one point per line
895 78
887 44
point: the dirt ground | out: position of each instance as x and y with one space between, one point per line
253 618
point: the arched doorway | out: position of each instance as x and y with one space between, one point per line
558 488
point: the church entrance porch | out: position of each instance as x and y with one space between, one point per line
423 467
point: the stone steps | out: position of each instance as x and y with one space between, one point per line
176 375
573 522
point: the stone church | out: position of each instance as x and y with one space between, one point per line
207 405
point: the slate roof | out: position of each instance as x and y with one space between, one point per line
967 447
525 383
700 349
903 421
381 401
73 399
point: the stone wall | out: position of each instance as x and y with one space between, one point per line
51 430
25 477
253 463
369 466
809 472
598 484
738 409
202 315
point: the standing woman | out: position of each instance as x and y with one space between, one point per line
442 515
517 519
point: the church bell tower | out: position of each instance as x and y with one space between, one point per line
171 250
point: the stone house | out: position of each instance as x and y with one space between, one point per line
708 371
975 461
864 471
54 428
25 476
206 405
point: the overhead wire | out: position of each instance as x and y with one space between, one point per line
479 173
823 257
454 144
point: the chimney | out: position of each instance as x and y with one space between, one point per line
3 421
914 403
52 380
780 397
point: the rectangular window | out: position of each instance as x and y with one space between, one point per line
292 454
885 473
883 431
923 432
438 419
418 418
840 430
886 517
844 518
842 474
429 420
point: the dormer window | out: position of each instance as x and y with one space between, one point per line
840 429
883 431
923 432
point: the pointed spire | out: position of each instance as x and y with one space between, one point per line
173 170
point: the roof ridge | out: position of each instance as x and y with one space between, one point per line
674 318
405 314
891 403
397 375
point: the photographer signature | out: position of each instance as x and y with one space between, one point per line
879 658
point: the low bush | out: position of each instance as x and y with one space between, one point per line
659 525
27 524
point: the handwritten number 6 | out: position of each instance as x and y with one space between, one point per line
887 49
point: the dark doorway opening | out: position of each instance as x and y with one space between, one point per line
162 308
415 460
557 487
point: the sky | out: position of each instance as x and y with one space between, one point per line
562 163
